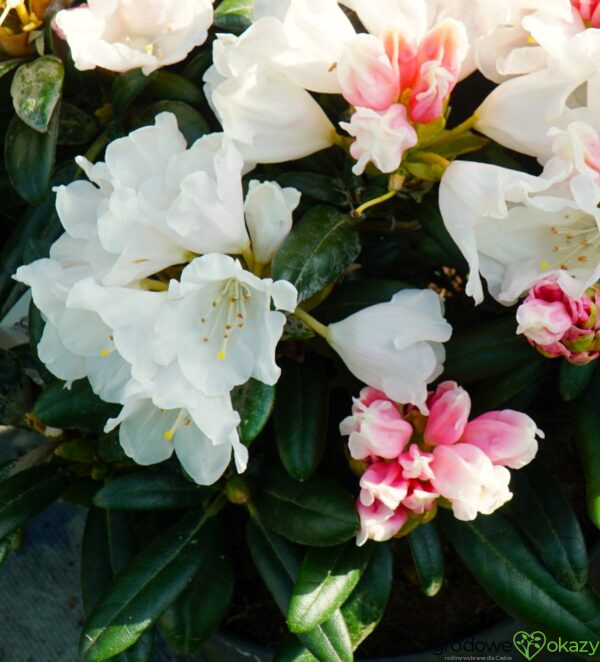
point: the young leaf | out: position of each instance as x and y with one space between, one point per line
514 577
27 493
254 402
546 519
363 610
197 612
29 158
144 589
318 512
327 577
149 490
36 89
300 417
317 251
278 563
428 556
234 15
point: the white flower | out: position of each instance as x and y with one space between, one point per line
381 137
125 34
149 434
219 325
514 228
268 209
395 347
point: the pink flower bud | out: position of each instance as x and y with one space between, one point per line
449 409
378 522
441 54
559 325
415 464
404 58
376 427
384 482
589 11
421 497
366 75
507 437
465 476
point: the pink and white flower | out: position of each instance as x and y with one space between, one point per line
378 522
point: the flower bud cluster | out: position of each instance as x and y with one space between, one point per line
559 325
411 462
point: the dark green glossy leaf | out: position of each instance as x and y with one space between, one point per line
573 379
290 649
486 351
547 520
29 158
36 89
327 577
234 15
147 586
363 610
350 297
15 390
190 121
318 512
323 188
278 563
587 439
109 449
149 491
169 86
197 612
75 126
428 556
317 251
76 407
7 545
254 402
430 218
126 88
27 493
300 417
514 577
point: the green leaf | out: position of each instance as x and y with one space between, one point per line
318 512
428 557
430 218
319 187
317 251
191 123
75 407
300 417
546 519
254 402
350 297
587 439
146 490
290 649
514 577
198 611
144 589
486 351
36 89
573 379
363 610
6 66
15 390
327 577
27 493
126 88
75 126
166 85
278 563
29 158
7 545
234 15
108 545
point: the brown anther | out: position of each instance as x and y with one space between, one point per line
225 335
240 325
213 304
228 327
582 258
203 320
205 339
234 299
240 316
332 67
569 237
246 296
553 230
563 266
188 421
555 249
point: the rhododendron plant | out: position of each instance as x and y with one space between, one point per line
289 290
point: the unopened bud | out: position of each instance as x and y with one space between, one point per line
237 490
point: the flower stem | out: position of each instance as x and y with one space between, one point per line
154 285
312 323
371 203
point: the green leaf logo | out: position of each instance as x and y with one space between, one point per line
529 645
